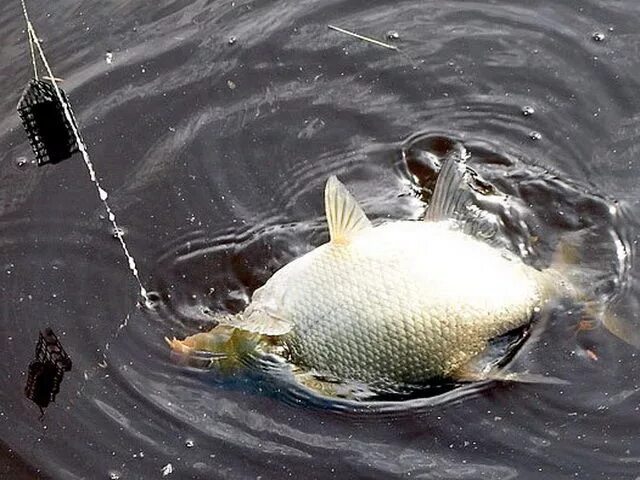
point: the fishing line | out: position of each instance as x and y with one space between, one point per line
68 113
30 38
54 135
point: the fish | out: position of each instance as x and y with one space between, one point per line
403 302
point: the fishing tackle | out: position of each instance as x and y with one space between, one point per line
47 370
50 133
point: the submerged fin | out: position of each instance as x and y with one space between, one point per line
523 377
625 330
332 388
622 329
344 215
484 367
577 280
472 372
453 198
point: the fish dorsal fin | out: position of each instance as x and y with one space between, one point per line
451 196
453 199
344 215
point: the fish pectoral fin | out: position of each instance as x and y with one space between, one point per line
471 373
332 388
524 377
344 216
453 198
262 322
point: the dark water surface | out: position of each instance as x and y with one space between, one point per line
215 153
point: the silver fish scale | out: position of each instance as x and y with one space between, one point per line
391 308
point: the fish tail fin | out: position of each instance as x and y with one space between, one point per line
572 269
621 328
576 279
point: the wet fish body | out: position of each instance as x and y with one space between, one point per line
399 303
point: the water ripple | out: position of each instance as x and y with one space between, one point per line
215 152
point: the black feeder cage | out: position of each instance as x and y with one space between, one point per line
50 134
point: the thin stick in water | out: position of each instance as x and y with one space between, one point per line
362 37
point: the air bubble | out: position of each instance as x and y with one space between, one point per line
527 110
393 35
152 300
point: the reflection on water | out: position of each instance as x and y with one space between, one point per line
46 371
217 187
